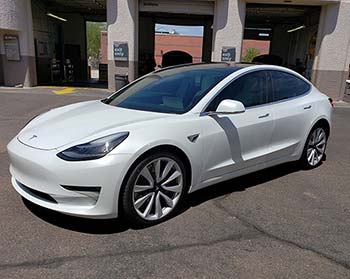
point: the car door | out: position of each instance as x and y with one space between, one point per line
239 141
291 105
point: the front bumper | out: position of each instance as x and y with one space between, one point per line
46 180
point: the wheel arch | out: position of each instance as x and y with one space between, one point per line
322 120
324 123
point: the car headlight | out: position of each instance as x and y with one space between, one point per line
94 149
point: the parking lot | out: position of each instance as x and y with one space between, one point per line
278 223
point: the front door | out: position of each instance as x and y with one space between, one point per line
241 140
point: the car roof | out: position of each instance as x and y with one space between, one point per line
206 65
213 66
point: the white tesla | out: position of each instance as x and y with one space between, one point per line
174 131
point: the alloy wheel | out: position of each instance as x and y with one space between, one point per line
157 188
316 146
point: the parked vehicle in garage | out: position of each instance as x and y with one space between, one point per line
172 132
176 57
269 59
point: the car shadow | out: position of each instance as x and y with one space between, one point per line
111 226
84 225
241 183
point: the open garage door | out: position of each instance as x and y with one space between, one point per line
283 34
177 13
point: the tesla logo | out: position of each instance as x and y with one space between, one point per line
33 137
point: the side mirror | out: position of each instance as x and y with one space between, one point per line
230 107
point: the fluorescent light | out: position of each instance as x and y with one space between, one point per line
296 29
56 17
258 28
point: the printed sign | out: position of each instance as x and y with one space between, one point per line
43 49
121 51
228 54
103 72
12 48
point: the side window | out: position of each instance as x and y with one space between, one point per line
287 86
250 89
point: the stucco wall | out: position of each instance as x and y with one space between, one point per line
122 25
16 19
228 27
332 50
1 68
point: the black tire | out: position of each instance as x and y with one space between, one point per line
128 211
304 162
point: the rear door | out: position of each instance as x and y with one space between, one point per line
291 104
238 141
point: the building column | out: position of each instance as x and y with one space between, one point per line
122 26
207 41
16 19
228 27
331 66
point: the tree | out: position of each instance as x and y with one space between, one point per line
251 53
93 34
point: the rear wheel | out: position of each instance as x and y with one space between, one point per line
315 147
154 189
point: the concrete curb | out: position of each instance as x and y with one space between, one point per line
341 104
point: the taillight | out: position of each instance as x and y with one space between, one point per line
331 102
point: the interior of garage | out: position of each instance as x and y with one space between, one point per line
59 28
178 44
148 20
290 29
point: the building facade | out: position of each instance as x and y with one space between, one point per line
311 33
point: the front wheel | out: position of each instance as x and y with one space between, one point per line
154 189
315 147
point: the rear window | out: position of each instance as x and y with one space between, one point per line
286 86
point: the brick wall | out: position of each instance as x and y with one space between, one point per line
104 47
262 46
190 44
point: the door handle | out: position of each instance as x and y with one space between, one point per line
308 107
264 116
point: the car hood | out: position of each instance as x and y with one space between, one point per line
76 122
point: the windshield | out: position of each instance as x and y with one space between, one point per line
174 90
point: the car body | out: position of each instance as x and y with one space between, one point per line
211 144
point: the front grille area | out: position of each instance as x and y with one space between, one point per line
35 193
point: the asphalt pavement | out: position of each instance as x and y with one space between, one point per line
278 223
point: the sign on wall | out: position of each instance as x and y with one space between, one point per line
43 49
121 51
12 47
228 54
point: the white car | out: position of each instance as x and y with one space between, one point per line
172 132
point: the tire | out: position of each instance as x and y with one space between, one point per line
314 151
154 190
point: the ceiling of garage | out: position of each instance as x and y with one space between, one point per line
279 14
86 7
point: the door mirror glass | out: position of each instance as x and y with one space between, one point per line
230 107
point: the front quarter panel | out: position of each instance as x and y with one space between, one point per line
175 132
